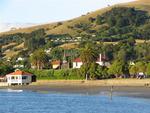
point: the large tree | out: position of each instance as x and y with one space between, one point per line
39 59
118 68
88 56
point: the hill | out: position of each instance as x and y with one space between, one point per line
113 23
65 27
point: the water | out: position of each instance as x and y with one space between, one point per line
51 102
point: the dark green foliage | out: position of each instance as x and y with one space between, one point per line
123 23
118 68
35 40
123 16
5 69
69 74
17 38
57 53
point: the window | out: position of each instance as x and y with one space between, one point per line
76 64
24 77
12 77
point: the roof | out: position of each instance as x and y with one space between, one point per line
19 72
77 60
56 62
103 58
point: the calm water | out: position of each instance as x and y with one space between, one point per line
43 102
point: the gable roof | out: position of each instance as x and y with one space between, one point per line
19 72
56 62
77 60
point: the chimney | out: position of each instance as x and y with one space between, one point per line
100 57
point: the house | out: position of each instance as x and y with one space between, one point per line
101 60
18 66
47 51
20 59
19 78
77 63
56 64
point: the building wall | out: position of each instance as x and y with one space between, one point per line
77 64
100 63
17 79
55 66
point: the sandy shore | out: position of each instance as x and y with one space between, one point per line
136 89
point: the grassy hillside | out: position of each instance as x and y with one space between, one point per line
78 27
65 27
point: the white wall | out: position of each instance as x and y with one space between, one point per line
77 64
18 79
100 63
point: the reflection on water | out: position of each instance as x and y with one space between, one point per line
17 101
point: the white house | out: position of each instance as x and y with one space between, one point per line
19 78
20 59
77 63
56 64
102 61
18 66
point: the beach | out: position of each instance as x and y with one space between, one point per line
134 88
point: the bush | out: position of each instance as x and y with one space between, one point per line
64 74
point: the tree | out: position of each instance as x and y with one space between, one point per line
148 70
118 68
39 59
5 69
98 72
133 70
146 31
88 56
57 53
35 39
141 66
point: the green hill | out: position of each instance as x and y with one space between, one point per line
65 27
113 23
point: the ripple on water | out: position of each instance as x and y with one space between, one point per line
39 102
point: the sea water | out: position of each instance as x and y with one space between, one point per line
19 101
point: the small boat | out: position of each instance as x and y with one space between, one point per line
12 90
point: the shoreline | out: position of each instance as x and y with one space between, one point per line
120 87
106 82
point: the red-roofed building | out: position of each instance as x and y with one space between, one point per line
101 60
19 78
56 64
77 63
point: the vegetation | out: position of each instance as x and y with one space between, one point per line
39 59
121 24
69 74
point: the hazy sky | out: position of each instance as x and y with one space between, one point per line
42 11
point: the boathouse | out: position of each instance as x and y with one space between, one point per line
19 78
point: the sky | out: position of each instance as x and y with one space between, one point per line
43 11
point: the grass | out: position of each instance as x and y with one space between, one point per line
8 45
69 46
11 53
20 46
